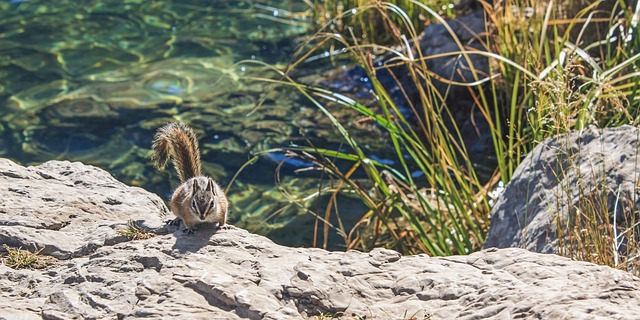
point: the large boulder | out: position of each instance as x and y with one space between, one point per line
566 174
69 209
231 273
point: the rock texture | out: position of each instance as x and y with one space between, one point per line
234 274
70 209
564 174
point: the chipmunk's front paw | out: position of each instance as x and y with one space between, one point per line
174 222
225 227
189 231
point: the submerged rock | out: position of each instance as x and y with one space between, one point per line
234 274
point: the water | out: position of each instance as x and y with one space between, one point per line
91 81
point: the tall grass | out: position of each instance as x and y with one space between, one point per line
442 209
595 221
374 26
587 72
547 78
577 79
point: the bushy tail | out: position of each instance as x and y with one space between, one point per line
178 141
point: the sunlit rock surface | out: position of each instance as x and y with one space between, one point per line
74 211
594 170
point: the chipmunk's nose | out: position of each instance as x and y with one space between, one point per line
201 216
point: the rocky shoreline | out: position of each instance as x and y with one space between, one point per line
76 211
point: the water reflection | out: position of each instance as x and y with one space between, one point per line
91 81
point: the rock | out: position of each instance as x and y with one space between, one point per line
231 273
69 209
560 175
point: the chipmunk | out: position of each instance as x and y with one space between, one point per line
198 198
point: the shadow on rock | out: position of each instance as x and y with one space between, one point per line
194 242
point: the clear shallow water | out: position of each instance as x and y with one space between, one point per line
91 81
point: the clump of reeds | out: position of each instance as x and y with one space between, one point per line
374 26
547 78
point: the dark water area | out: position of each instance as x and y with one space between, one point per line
91 81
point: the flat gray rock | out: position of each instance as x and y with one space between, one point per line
231 273
70 209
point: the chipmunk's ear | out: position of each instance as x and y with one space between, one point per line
210 187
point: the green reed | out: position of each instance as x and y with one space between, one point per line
587 72
443 212
547 77
340 16
583 73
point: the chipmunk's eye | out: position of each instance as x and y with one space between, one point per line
193 203
211 204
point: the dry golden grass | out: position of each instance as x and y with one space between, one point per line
135 232
19 258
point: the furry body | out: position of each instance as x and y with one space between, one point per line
198 198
